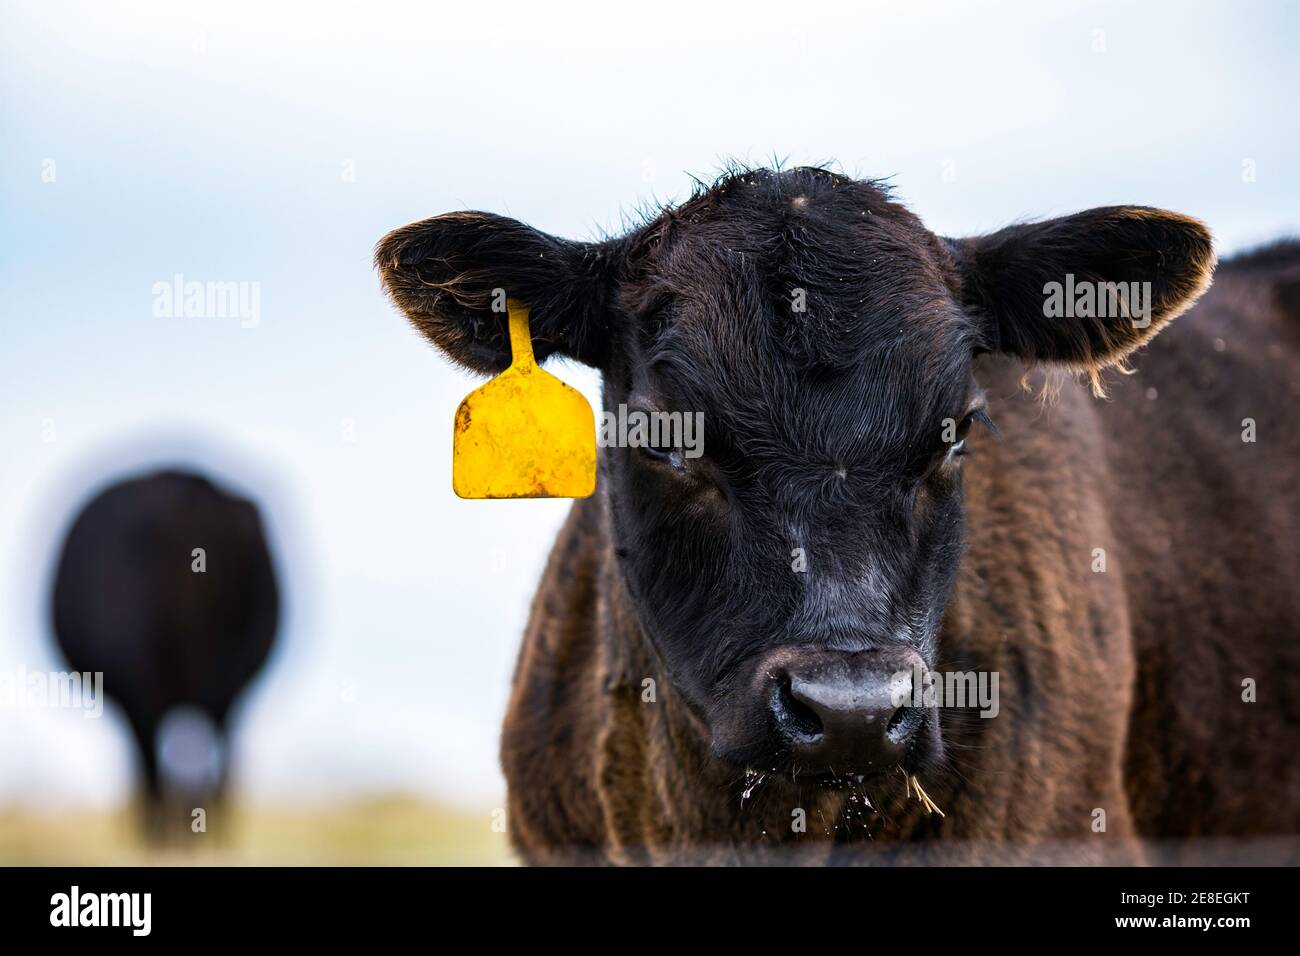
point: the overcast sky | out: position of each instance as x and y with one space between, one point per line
250 143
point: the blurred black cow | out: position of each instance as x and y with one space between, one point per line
166 586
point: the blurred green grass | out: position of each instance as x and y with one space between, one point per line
393 830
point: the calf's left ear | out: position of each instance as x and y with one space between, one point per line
1084 290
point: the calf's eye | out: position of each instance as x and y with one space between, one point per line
963 429
958 446
665 457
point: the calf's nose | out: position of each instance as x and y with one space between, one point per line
847 713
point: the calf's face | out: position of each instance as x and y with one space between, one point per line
792 572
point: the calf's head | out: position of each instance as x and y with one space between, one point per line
792 576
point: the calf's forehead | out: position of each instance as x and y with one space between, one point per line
886 402
800 307
807 266
812 349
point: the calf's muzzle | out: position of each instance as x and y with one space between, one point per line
839 713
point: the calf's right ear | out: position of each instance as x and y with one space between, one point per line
451 275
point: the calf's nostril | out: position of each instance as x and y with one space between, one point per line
903 725
794 718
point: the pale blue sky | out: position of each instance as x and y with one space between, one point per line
213 141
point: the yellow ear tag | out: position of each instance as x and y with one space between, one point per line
525 434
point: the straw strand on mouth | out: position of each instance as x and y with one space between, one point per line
928 805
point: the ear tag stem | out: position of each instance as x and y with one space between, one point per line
525 434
